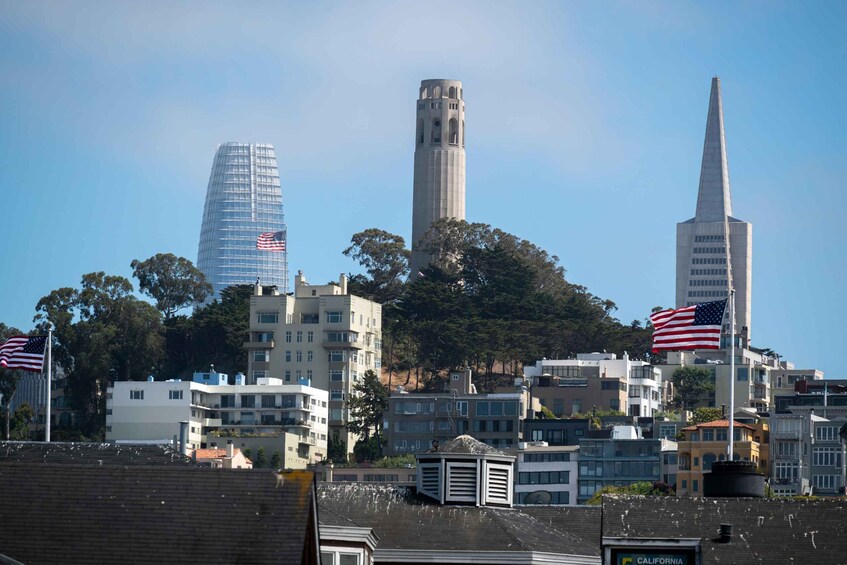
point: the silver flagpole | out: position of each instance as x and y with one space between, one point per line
731 437
49 379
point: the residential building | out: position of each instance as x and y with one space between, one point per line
556 432
416 422
790 448
714 250
786 376
217 458
597 381
705 443
287 418
620 460
320 335
546 474
243 200
828 457
439 177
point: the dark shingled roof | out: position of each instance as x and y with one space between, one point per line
90 453
402 519
764 530
582 521
72 513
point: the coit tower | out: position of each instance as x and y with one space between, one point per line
439 187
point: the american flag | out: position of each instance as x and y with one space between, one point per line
23 352
271 241
692 327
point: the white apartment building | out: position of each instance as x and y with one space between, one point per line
601 380
289 418
321 336
547 474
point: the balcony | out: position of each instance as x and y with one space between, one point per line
258 344
308 440
342 344
778 481
210 422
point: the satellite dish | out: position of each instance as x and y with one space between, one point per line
538 497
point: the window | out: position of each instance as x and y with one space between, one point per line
826 433
708 435
576 406
336 355
336 395
309 356
826 456
695 485
288 356
136 395
248 401
288 376
287 337
299 356
462 407
261 355
336 375
175 394
310 336
826 481
268 317
259 374
334 317
299 337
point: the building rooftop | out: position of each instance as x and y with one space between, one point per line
468 445
718 424
775 530
90 453
405 520
90 513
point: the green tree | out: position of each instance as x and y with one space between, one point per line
656 488
20 422
706 414
8 379
367 405
397 462
276 460
385 258
691 384
336 452
174 282
102 334
261 458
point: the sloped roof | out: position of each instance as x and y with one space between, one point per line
718 424
404 520
468 445
213 453
90 453
73 513
765 530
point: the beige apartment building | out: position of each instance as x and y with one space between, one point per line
319 335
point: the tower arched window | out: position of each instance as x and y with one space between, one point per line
436 131
452 94
424 93
436 92
419 136
454 131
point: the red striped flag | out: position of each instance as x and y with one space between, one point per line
23 352
692 327
271 241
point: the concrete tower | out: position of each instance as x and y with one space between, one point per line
439 189
243 200
706 268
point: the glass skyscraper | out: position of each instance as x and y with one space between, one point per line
243 200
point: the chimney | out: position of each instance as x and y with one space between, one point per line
299 280
183 437
230 450
342 282
725 533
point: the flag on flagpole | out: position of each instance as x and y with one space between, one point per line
23 352
692 327
271 241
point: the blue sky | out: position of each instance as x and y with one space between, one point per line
585 124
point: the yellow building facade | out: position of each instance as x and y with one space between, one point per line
705 443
